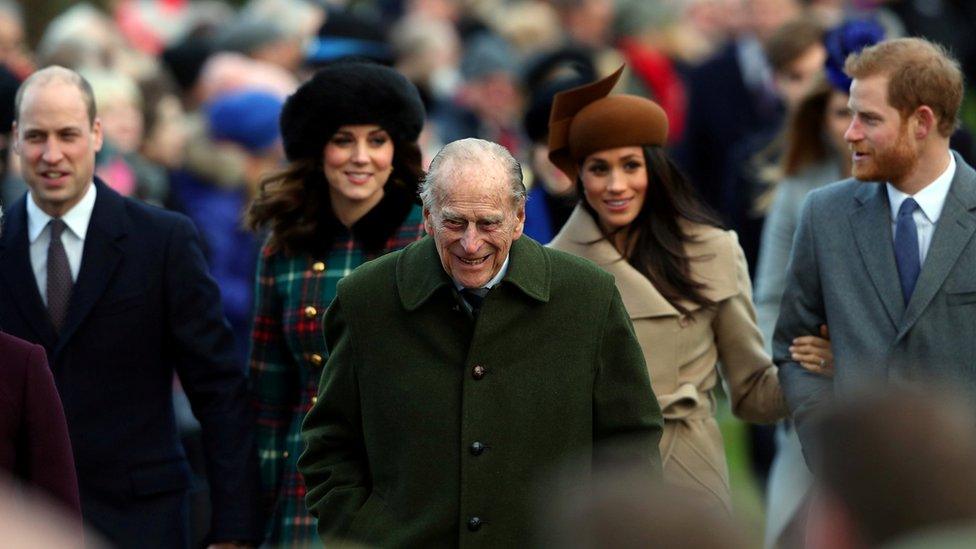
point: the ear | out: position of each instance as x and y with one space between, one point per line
925 122
97 134
15 137
428 222
520 221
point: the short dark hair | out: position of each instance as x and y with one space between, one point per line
59 74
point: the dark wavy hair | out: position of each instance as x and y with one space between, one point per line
655 240
293 203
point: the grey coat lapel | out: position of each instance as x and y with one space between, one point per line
952 233
871 224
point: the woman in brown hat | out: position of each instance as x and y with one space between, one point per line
347 195
682 278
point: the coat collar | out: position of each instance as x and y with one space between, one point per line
378 225
419 274
713 264
101 255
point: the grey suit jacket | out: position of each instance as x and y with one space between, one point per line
842 272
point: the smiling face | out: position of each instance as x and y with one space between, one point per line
358 160
474 222
615 185
56 144
878 136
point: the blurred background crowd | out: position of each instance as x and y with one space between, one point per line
190 92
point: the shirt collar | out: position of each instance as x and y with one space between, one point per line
931 198
76 219
495 279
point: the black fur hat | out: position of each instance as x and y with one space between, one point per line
349 92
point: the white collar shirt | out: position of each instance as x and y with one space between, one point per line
73 238
931 200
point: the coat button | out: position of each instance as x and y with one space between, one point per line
477 448
310 312
478 371
318 266
474 524
285 454
315 359
315 399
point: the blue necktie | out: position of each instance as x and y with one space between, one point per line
906 248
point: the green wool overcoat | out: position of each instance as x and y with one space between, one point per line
433 429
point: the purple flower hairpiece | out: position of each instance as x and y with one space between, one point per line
849 37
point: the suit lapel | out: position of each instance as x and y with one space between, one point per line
99 260
871 225
18 275
952 234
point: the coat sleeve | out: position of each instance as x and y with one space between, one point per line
215 384
274 380
802 313
627 419
334 463
748 371
48 462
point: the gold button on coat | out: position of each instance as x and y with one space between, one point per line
315 399
310 312
318 266
315 359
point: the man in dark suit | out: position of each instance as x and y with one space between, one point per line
118 294
887 258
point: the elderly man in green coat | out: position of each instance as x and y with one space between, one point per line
443 404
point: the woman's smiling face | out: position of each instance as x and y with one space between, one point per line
615 185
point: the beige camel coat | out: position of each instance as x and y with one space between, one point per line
682 352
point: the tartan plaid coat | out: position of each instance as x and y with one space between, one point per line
288 351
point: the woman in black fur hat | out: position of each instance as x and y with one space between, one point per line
348 195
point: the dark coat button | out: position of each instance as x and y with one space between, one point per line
477 448
474 524
478 371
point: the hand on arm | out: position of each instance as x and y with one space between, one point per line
813 353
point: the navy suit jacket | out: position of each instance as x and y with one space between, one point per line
142 307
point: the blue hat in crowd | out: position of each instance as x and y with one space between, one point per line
248 118
852 36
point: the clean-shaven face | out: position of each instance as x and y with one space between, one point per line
474 223
56 144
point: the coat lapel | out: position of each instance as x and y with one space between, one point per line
952 234
18 275
99 260
581 237
871 225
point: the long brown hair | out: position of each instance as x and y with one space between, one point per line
294 201
656 241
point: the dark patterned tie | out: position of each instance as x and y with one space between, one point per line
906 248
59 281
474 297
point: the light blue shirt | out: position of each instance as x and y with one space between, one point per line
931 200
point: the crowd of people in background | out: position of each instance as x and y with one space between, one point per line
295 135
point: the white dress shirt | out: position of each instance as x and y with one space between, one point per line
39 232
930 200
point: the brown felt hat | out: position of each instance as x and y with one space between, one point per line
588 119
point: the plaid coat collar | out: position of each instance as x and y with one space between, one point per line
419 273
